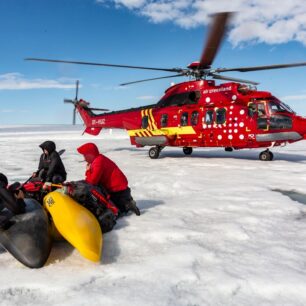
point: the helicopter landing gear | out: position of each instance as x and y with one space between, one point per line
187 150
266 155
154 152
228 149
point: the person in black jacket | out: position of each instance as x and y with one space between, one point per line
51 167
11 200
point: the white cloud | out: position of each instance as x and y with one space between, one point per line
16 81
267 21
294 98
128 3
7 110
146 98
13 111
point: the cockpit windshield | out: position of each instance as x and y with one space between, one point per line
278 107
287 107
274 105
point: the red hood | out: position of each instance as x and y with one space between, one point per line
88 148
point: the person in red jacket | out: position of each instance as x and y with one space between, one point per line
101 171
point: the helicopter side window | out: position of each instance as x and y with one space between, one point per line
252 109
164 120
220 115
261 109
209 117
279 122
166 102
145 122
194 97
180 99
194 118
262 123
184 119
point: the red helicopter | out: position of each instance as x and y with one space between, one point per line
199 113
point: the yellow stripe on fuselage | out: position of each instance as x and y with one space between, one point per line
153 123
170 131
152 127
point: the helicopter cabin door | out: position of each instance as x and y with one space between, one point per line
214 122
208 127
259 119
189 120
262 116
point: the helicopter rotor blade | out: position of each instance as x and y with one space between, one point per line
99 109
256 68
179 70
214 40
76 89
221 77
70 101
145 80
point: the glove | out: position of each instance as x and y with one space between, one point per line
131 206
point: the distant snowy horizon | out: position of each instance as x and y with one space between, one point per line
217 228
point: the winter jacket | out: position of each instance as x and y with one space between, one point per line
103 171
52 162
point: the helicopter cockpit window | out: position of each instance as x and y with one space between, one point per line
220 115
145 122
261 109
184 119
209 117
276 108
194 118
287 107
164 120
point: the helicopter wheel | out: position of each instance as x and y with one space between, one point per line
187 150
228 149
266 155
154 152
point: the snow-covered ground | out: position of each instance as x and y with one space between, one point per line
213 230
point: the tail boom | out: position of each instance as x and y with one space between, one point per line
96 122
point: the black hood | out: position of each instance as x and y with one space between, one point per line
3 180
49 146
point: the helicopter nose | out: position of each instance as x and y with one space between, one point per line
299 126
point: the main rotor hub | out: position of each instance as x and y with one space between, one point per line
196 66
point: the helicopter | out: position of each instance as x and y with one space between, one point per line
199 113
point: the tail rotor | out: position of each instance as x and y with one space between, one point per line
74 102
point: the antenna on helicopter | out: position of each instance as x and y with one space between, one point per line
74 101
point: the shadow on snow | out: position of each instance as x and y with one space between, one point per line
111 247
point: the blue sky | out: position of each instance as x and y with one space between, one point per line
136 32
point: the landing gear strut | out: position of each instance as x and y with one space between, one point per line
154 152
187 150
266 155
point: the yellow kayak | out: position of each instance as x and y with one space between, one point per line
76 224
